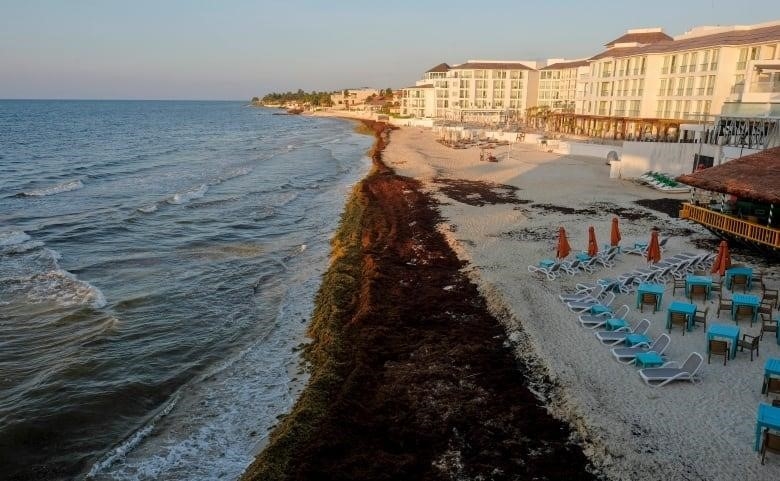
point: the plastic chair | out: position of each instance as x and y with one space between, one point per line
678 319
718 348
723 304
770 442
700 317
767 325
750 342
739 280
771 296
648 298
678 284
697 290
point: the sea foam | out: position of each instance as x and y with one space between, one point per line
54 189
188 195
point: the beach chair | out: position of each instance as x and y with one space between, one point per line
607 260
595 306
627 284
672 371
627 355
719 348
593 321
768 325
590 265
700 317
551 272
611 338
639 249
583 295
739 280
770 295
769 442
678 284
750 342
678 319
572 267
723 304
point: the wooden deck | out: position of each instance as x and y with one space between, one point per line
732 226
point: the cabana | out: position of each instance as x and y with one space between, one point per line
746 206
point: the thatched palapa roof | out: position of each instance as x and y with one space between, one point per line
755 176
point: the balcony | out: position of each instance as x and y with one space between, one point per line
742 228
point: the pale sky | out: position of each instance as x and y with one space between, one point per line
235 49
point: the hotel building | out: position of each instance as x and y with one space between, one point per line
645 85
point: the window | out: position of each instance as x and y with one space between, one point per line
689 87
714 59
684 63
642 70
641 88
692 65
710 84
680 87
707 106
742 60
705 61
673 64
662 90
670 87
665 68
659 108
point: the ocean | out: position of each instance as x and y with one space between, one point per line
158 264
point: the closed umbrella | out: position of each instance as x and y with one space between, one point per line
614 237
653 249
563 244
593 246
723 261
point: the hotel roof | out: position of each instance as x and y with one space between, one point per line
752 176
491 65
731 37
640 37
442 67
562 65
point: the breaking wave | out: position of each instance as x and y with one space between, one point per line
54 189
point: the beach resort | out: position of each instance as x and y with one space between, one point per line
617 215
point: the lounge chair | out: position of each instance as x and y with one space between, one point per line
594 306
612 338
572 267
607 260
672 371
551 272
583 295
627 355
639 249
590 265
594 321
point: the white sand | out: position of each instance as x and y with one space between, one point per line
701 431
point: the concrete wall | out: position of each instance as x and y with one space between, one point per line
585 149
428 123
671 158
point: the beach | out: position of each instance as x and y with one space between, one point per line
632 431
420 394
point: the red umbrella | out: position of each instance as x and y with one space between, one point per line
593 246
563 244
653 249
614 238
723 261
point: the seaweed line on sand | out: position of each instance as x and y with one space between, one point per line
411 376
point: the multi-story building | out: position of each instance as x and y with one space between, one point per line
644 85
349 98
479 90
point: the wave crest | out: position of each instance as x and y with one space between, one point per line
54 189
188 195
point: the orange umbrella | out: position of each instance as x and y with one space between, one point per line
723 261
593 246
563 244
614 238
653 249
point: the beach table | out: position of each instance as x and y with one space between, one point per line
582 256
615 323
691 280
723 330
648 359
744 300
637 339
771 369
650 288
731 272
682 308
768 417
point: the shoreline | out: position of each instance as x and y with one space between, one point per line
411 376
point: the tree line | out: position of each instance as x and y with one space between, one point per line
314 98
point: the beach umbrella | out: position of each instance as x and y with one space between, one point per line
723 261
593 246
563 244
653 249
614 237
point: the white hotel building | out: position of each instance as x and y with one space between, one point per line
644 85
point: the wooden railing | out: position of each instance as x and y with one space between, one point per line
727 223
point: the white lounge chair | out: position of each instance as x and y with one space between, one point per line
592 305
551 272
572 267
583 295
627 355
612 338
593 321
672 371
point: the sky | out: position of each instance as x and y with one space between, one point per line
236 49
